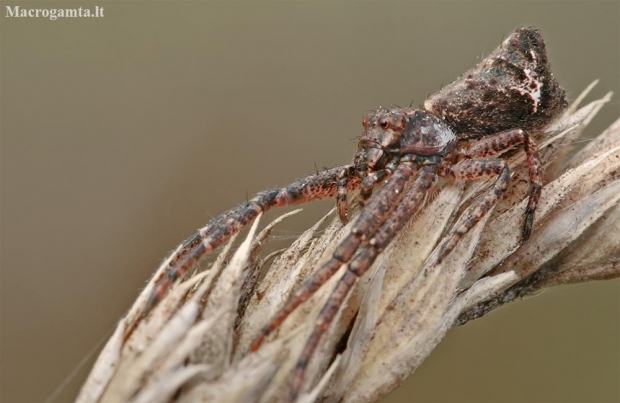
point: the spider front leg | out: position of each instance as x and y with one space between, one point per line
407 207
503 141
371 180
322 185
370 218
341 199
470 170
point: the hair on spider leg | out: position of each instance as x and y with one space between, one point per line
501 43
356 138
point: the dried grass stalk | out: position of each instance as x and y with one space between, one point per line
193 346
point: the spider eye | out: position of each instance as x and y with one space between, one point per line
365 122
384 123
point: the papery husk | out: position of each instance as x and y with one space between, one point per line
193 347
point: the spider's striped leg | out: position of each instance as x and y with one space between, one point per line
471 170
503 141
407 207
320 186
370 218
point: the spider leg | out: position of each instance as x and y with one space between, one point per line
371 217
369 182
341 199
471 170
314 187
407 207
503 141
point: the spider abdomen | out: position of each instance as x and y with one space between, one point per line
513 87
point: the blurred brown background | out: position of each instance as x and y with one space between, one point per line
122 135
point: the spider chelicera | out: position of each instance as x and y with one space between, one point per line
490 109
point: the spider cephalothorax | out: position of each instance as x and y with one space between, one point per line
393 134
401 131
509 95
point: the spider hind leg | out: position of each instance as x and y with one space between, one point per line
503 141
